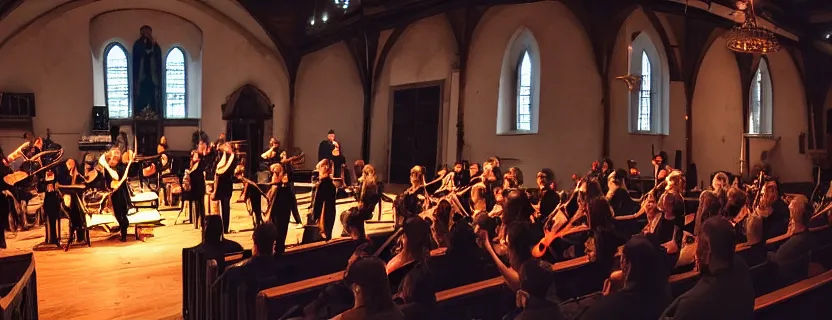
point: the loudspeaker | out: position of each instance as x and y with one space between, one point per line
678 163
100 119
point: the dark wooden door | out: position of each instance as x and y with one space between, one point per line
415 133
250 131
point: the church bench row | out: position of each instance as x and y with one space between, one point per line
18 287
807 299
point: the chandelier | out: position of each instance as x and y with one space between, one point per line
747 37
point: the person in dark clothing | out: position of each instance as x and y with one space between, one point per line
6 200
605 241
670 228
214 245
115 170
604 173
709 206
283 203
417 294
549 198
754 250
325 147
793 257
225 183
536 278
368 281
324 199
196 182
726 290
774 211
368 196
258 272
70 187
618 195
645 292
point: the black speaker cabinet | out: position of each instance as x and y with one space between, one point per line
100 119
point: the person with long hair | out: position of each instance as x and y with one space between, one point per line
603 241
224 182
71 201
324 199
195 175
414 200
283 203
774 211
115 170
618 195
370 286
669 230
709 206
414 245
440 227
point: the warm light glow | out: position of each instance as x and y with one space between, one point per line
312 21
324 17
750 38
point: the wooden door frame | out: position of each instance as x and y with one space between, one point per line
442 126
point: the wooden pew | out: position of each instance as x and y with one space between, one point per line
212 271
806 299
18 287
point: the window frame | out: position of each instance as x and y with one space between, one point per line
653 96
659 86
517 86
765 103
104 59
185 75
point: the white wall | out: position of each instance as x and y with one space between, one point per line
52 59
624 145
425 52
571 114
328 95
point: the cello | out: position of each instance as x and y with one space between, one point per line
556 225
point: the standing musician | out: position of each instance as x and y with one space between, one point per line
193 183
115 174
282 203
23 189
52 207
660 167
339 169
6 198
71 187
325 147
324 199
224 182
368 197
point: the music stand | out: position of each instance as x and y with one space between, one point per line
74 191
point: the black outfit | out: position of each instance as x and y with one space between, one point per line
324 203
147 79
197 193
77 224
777 223
283 204
6 203
667 230
52 208
120 198
622 204
756 254
540 309
368 198
338 167
631 303
254 274
225 186
725 294
549 200
793 257
325 150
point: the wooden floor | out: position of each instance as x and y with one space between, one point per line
132 280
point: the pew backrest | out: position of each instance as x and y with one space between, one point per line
802 300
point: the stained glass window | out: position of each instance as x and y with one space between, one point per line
645 95
175 84
524 93
117 82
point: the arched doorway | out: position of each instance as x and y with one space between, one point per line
248 115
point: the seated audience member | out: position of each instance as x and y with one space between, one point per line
417 294
519 247
441 222
603 241
536 278
618 195
262 263
670 228
214 245
774 211
725 290
736 209
645 293
517 208
414 243
368 282
651 210
709 206
756 251
793 257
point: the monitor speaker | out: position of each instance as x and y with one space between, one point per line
100 119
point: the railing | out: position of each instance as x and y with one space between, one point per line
18 288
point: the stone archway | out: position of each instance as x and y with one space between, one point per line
248 115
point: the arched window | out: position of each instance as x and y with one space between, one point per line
175 84
524 93
116 81
518 105
760 109
649 111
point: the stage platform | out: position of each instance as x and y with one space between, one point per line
135 279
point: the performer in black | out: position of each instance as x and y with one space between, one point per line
283 202
324 199
147 69
6 198
115 171
195 186
368 197
224 182
71 185
52 208
326 146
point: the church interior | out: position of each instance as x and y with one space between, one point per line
365 159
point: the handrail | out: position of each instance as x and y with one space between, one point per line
791 291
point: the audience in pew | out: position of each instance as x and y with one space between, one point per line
793 257
709 206
417 294
669 229
756 251
725 290
214 245
519 246
645 292
775 213
367 280
736 208
414 245
536 281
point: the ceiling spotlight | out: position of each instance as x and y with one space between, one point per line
828 35
324 17
312 21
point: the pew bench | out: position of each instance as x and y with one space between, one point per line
806 299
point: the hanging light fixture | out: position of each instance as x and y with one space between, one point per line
748 37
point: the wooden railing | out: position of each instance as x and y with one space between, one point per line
21 300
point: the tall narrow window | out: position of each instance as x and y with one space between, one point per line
175 88
116 81
524 93
645 95
760 108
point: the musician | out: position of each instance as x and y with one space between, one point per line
273 154
194 182
71 201
52 207
324 199
604 173
474 171
513 178
6 198
490 179
618 195
115 172
92 176
283 202
326 147
660 167
339 165
461 175
23 189
414 200
670 228
549 198
368 197
224 182
774 211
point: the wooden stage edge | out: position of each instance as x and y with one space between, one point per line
136 279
